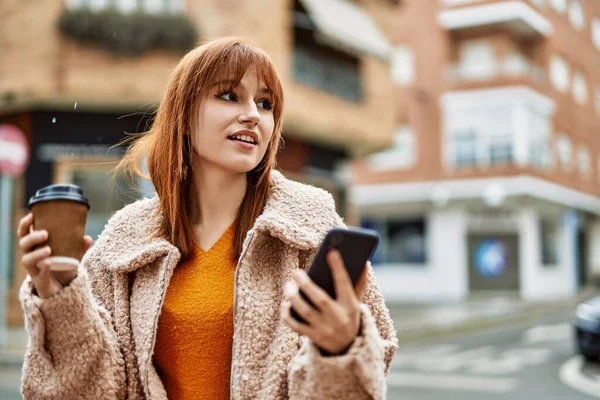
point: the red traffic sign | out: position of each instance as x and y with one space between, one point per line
14 151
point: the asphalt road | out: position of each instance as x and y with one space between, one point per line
528 362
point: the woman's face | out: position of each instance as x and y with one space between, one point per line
235 125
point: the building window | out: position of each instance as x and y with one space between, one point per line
596 32
128 6
501 150
565 151
549 242
465 149
539 152
477 60
583 158
559 74
576 14
401 155
403 65
322 67
580 92
560 6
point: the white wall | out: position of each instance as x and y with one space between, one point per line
444 278
540 282
593 236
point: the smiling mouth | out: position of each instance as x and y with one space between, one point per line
242 138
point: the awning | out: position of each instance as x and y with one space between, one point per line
346 26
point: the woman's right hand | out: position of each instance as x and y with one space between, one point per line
46 282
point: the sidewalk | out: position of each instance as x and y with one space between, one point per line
419 321
416 322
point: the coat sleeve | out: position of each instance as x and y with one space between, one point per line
361 372
72 350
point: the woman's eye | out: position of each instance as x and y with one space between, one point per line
266 104
229 96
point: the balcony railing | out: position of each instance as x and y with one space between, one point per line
509 67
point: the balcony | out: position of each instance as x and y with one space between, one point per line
507 71
515 16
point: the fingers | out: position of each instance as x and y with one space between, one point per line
24 225
301 306
87 243
362 282
31 259
298 327
29 241
341 280
321 300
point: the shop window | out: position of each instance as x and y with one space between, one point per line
549 242
106 194
401 241
320 66
406 242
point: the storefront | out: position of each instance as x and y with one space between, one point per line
538 246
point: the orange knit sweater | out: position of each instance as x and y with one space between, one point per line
195 328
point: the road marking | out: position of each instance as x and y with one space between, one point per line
451 382
571 375
510 361
547 333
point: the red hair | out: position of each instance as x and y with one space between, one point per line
167 144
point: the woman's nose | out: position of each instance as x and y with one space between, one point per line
250 114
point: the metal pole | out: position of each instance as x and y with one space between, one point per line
6 197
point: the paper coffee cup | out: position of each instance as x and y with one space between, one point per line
62 211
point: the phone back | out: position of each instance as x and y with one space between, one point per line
356 246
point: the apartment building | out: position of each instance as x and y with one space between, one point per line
492 182
76 75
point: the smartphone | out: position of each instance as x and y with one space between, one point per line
356 245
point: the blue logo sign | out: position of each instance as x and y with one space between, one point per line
491 258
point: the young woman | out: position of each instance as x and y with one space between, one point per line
187 295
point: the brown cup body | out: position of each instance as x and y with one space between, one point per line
65 222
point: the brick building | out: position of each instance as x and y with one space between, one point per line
493 181
74 99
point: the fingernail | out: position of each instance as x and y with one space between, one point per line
301 276
47 250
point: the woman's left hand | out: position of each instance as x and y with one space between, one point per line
332 324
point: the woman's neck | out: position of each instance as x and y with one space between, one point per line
215 198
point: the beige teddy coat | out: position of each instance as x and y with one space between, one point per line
95 338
